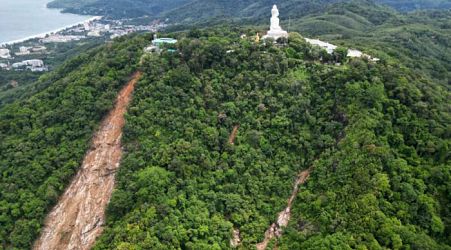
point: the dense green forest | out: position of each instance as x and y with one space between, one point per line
409 5
43 137
375 135
206 9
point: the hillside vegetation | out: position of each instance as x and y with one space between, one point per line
375 138
420 41
44 137
409 5
201 9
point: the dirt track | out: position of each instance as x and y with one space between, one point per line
275 230
77 220
233 135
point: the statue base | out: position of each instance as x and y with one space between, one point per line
276 34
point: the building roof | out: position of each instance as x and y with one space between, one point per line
328 46
164 40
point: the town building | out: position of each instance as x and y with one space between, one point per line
35 65
23 51
38 49
3 66
4 53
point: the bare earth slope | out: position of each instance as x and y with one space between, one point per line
77 219
275 230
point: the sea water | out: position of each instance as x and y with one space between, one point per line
21 19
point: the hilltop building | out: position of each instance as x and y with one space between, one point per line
157 44
327 46
160 41
275 31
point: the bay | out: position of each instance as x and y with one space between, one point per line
20 19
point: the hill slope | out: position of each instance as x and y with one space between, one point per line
207 9
44 137
420 40
374 138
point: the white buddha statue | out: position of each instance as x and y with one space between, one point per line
275 31
275 19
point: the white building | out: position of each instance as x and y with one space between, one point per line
327 46
87 26
56 38
38 48
3 66
23 51
4 53
94 33
33 65
330 48
354 53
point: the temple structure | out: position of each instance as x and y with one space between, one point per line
275 31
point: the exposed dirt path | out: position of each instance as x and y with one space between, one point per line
77 219
275 230
233 135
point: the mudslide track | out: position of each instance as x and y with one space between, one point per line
275 230
77 220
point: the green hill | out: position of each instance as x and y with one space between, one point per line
43 137
374 136
419 40
195 9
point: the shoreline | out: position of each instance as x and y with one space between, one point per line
43 35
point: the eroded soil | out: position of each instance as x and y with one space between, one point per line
275 230
78 218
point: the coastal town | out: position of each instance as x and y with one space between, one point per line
31 53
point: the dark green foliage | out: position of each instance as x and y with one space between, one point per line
420 40
380 161
376 135
44 137
409 5
195 10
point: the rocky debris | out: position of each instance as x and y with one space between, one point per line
77 220
276 228
236 238
233 135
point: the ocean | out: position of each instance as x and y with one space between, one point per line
20 19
